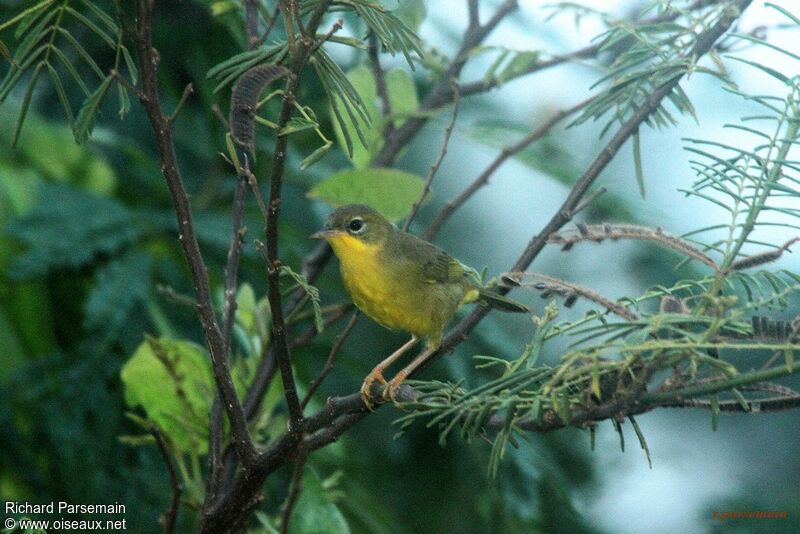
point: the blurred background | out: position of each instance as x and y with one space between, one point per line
87 236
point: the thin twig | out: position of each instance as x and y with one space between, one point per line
187 91
216 427
380 84
440 94
171 514
338 25
221 116
481 86
295 488
483 178
337 344
251 23
114 73
175 297
435 167
270 24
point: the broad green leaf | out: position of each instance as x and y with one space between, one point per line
389 191
411 13
402 94
315 513
171 381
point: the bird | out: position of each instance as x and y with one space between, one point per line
403 283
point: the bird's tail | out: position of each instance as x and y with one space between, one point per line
500 302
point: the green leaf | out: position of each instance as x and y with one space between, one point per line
297 124
31 10
403 100
361 156
118 287
23 111
315 513
88 112
223 6
411 13
171 380
637 162
315 156
389 191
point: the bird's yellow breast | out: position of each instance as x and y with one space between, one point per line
375 287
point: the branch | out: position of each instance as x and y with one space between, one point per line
437 163
295 488
177 488
380 84
483 178
149 98
440 94
481 86
337 344
600 232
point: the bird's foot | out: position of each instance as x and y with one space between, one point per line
393 387
366 388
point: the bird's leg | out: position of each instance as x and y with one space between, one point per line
390 391
377 373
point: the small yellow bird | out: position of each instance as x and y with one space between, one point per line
402 282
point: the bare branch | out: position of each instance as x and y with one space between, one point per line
177 488
600 232
380 84
548 285
337 344
295 488
483 178
187 91
440 94
435 167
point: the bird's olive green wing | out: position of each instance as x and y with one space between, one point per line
441 267
433 264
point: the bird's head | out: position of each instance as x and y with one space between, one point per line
355 225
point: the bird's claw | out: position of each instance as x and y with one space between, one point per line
393 388
366 387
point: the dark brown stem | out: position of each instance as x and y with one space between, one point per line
337 344
295 488
171 514
251 23
440 94
216 428
435 167
483 178
187 92
380 84
150 100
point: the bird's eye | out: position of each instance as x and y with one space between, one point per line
356 226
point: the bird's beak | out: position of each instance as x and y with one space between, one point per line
322 234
